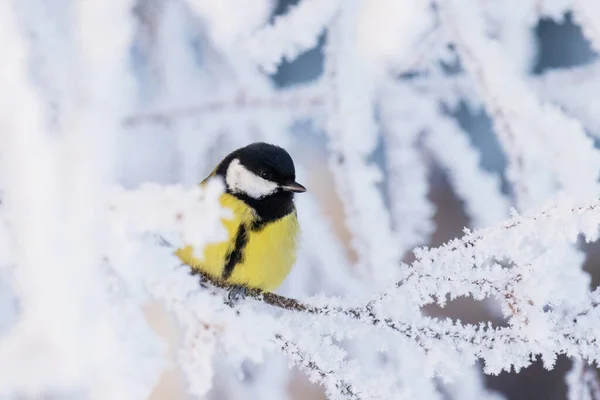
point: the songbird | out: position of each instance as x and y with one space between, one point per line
260 181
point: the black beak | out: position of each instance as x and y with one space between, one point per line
293 187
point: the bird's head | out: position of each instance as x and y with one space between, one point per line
260 170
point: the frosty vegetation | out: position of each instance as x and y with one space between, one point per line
84 246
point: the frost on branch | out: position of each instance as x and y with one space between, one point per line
290 34
533 134
111 111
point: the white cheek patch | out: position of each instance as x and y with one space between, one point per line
241 180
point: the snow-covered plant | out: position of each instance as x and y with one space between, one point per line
112 110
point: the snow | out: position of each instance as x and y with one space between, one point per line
111 112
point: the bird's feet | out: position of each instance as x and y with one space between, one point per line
236 293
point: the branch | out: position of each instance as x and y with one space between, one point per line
448 145
353 116
421 332
290 34
533 133
460 268
564 87
301 101
584 219
301 358
407 184
365 313
306 362
314 99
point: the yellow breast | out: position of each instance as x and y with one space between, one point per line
268 254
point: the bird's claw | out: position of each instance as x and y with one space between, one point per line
236 293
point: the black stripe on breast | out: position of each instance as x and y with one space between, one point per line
236 255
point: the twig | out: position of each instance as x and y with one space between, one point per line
265 297
367 313
305 100
508 137
364 313
305 361
301 358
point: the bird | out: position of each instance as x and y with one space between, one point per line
262 237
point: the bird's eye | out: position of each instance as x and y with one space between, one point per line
265 175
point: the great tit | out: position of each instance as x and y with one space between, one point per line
260 181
